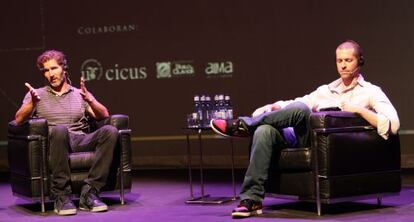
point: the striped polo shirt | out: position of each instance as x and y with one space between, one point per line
68 109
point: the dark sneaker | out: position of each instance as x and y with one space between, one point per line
90 201
229 128
64 206
247 208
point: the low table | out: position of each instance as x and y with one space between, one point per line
205 198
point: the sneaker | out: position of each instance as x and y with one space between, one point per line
229 128
64 206
90 201
247 208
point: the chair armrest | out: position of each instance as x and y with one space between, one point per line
347 144
27 147
120 121
30 128
343 129
336 119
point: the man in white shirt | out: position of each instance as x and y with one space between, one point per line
285 123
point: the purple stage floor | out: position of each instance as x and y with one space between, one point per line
160 196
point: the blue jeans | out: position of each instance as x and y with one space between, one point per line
270 135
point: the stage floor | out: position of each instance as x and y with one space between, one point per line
160 195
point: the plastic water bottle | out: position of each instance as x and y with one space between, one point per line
203 110
208 111
198 110
221 107
228 107
216 107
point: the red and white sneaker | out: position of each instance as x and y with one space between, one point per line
247 208
229 128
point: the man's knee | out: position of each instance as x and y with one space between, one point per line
59 132
299 108
265 133
109 132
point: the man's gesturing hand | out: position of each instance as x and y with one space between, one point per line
87 96
33 93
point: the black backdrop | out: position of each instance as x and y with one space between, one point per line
148 58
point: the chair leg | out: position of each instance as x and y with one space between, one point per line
122 134
122 193
122 197
319 207
121 178
42 193
379 200
42 174
43 205
314 145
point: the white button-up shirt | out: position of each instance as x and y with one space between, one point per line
359 93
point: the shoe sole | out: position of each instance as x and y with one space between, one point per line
216 130
95 209
246 214
65 212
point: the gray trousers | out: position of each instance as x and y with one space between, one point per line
271 135
62 142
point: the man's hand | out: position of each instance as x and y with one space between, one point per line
365 113
87 96
33 93
265 109
96 110
349 107
26 110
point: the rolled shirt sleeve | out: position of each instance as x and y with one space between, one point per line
387 117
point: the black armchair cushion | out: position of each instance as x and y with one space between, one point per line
295 159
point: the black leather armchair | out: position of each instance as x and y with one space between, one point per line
347 161
28 160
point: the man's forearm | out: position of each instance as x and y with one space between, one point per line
100 111
368 115
24 113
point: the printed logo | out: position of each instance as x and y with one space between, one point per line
222 69
163 70
174 69
92 69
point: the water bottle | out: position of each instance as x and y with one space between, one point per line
203 110
221 107
198 111
208 111
228 107
215 107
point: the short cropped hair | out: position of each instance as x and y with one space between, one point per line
358 50
354 44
